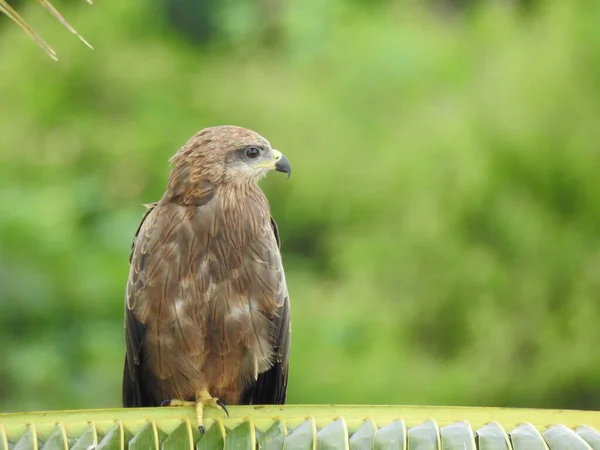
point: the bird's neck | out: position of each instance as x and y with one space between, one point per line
235 196
244 212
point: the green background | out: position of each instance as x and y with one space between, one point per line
440 232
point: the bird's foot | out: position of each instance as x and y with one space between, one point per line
203 399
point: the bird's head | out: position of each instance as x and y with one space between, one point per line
227 155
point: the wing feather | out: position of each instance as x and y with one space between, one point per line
135 387
270 386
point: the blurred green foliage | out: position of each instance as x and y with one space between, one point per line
440 232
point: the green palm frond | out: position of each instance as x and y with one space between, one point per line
305 427
15 17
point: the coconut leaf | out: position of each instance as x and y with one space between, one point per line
304 427
15 17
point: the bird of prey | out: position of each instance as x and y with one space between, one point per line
207 314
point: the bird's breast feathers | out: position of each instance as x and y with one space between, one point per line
206 282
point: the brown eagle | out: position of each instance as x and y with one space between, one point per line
207 314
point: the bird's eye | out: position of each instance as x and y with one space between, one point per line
252 152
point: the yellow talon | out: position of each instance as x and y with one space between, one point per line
205 399
202 399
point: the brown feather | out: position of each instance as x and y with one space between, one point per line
206 286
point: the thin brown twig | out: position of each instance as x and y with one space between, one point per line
46 4
15 17
9 11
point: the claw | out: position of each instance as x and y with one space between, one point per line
223 407
202 399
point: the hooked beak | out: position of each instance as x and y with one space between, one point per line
282 164
279 162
